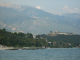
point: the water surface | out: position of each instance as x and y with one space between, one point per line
42 54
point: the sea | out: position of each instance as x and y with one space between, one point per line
41 54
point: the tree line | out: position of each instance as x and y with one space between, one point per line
26 40
20 39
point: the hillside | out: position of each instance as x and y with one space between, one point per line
74 40
18 39
30 19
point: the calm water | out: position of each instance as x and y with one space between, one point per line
44 54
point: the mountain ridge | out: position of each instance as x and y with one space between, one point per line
35 20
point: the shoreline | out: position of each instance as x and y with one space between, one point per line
31 48
23 48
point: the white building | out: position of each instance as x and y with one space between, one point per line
49 43
34 36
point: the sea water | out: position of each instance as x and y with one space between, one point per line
41 54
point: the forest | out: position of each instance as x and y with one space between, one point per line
19 39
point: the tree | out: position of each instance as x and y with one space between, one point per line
4 29
38 37
29 35
21 34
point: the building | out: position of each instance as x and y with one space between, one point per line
59 33
34 36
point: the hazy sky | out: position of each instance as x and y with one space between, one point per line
53 6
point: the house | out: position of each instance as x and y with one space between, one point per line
34 36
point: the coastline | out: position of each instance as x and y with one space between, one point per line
23 48
29 48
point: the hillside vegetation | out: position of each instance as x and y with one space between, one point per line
73 40
26 40
20 39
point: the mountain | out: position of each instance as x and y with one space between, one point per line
72 15
30 19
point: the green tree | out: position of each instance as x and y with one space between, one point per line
4 29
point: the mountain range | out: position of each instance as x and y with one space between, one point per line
20 18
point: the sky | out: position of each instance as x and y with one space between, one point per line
53 6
